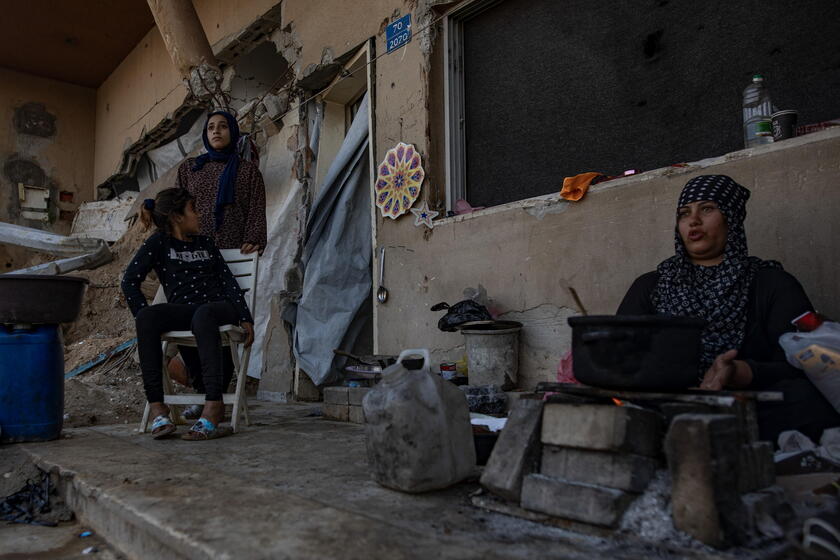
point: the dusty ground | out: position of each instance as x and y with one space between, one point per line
297 485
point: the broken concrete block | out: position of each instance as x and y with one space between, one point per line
336 395
603 427
572 500
623 471
702 452
356 394
756 469
356 414
517 451
339 412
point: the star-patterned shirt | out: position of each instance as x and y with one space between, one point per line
191 272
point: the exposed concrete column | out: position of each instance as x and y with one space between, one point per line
181 30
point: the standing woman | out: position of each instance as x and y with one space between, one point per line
229 197
229 192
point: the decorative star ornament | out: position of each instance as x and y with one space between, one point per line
424 216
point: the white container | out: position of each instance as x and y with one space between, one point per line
493 353
417 429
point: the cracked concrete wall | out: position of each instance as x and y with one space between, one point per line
526 253
60 159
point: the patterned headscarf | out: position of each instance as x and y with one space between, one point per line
718 294
229 154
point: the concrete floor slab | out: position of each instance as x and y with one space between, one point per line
291 485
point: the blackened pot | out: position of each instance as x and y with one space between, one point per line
650 352
40 299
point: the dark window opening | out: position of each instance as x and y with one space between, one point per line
553 89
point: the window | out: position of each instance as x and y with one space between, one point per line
537 90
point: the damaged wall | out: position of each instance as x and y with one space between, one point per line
46 140
146 88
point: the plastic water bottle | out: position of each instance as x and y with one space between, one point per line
757 110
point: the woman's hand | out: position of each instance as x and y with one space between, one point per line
249 333
726 371
248 248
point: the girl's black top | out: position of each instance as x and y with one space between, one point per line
775 299
191 272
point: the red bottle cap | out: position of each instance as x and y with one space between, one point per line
807 322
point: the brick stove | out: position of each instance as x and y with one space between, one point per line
578 456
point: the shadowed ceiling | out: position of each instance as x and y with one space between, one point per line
75 41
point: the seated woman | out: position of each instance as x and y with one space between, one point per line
748 303
201 295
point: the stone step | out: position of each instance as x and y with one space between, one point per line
152 505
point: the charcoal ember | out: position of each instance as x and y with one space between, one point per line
485 399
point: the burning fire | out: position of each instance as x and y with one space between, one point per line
617 402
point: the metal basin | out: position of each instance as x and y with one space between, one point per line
37 299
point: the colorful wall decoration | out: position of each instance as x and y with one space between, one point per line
398 180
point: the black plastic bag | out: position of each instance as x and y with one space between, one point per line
461 312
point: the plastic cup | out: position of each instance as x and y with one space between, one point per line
784 124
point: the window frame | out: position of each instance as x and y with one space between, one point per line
454 109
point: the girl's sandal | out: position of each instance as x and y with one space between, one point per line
204 429
162 426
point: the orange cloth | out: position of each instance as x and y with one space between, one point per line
575 187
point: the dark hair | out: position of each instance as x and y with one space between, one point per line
167 203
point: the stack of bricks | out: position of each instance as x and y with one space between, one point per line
345 404
596 459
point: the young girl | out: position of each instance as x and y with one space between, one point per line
201 295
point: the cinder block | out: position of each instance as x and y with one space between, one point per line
623 471
336 395
756 468
702 451
339 412
517 451
572 500
603 427
356 394
356 414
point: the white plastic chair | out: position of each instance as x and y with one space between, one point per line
244 269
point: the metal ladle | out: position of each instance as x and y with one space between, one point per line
381 293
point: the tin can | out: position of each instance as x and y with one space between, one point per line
448 370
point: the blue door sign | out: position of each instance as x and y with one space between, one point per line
398 33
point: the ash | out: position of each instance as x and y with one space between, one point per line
649 517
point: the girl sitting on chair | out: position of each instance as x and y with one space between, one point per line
202 295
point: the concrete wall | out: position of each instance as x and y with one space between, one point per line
527 253
146 87
65 157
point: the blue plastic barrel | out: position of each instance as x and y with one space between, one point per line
31 383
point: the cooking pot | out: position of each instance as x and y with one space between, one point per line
651 352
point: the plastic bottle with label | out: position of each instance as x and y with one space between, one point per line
757 110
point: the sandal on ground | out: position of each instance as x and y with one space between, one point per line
193 412
204 429
162 426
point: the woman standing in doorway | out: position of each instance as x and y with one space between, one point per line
229 197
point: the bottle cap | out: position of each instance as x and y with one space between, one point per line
807 322
758 78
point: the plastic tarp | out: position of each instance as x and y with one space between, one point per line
286 213
336 257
